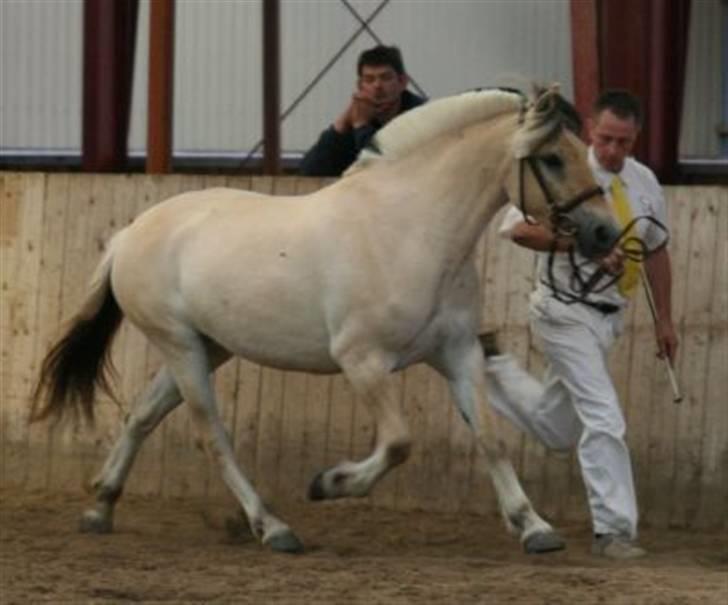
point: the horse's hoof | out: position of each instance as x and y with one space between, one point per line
94 523
543 542
285 542
316 489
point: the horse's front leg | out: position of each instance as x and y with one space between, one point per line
464 367
368 372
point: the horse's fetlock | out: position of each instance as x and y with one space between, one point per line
337 479
106 494
518 517
257 527
399 452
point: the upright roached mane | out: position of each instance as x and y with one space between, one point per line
424 123
439 117
367 276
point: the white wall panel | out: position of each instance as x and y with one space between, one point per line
704 81
448 47
217 76
40 73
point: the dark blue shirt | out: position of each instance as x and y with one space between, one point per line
334 152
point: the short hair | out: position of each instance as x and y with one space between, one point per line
621 103
381 55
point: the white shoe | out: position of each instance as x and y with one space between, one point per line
613 546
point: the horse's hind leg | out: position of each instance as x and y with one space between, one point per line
368 375
159 398
155 402
466 374
190 365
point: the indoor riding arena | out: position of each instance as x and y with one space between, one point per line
431 530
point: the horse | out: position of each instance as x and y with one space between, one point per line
366 276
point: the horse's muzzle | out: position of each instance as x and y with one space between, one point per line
595 235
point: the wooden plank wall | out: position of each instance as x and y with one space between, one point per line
286 426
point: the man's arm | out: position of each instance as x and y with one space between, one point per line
339 145
659 276
331 155
540 238
536 237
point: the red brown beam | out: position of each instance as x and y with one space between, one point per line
623 53
161 87
668 40
271 87
585 53
108 59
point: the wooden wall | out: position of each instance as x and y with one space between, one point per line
286 426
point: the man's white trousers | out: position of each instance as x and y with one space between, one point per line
576 405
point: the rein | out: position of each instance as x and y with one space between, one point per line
634 249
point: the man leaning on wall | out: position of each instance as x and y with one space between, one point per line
380 95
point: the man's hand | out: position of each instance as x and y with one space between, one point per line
659 276
667 342
361 111
613 262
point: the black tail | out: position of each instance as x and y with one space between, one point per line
80 361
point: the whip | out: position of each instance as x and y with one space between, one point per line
676 394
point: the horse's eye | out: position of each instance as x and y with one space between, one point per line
552 161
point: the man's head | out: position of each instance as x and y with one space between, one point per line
613 128
382 77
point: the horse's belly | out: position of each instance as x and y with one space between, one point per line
281 350
267 329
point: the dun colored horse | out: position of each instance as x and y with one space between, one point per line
366 277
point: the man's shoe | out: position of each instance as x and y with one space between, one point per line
489 343
616 547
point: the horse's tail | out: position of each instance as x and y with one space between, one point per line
80 361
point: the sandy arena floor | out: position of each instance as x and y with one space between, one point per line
179 552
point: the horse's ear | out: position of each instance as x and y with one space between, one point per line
547 99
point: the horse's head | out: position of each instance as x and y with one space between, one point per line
551 180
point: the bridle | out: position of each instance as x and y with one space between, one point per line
581 282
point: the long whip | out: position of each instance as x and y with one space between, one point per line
676 394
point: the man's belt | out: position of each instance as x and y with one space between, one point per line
603 307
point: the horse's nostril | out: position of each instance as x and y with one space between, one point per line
602 234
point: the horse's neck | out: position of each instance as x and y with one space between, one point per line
458 186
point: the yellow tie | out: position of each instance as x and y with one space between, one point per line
623 211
